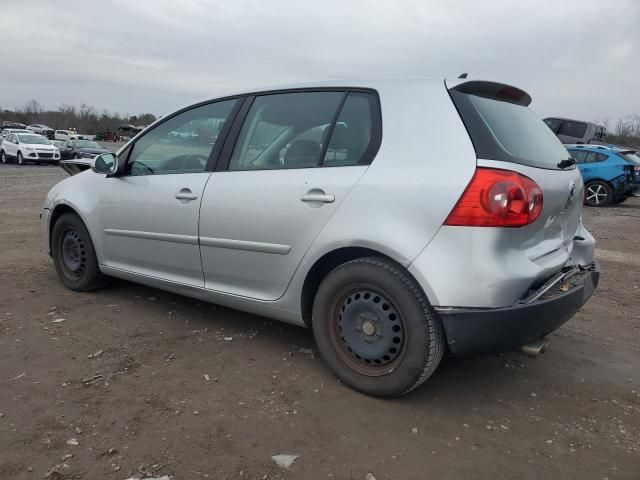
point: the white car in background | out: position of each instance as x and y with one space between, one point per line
40 129
66 135
26 147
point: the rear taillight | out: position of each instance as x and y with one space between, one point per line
497 198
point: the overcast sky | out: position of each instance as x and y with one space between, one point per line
577 58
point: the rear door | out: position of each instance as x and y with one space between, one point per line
10 145
296 157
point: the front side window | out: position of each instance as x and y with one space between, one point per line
181 144
572 129
580 156
284 131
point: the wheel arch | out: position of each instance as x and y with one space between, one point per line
329 261
60 210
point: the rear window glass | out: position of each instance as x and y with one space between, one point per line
633 157
509 132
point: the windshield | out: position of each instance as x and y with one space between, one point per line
85 144
33 140
632 157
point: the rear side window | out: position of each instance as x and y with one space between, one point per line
573 129
278 131
505 131
586 156
308 130
351 139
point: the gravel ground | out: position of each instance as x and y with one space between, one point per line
132 381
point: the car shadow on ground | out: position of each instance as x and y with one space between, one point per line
460 382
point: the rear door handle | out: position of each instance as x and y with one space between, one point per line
186 194
318 198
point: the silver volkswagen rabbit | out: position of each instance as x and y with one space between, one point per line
399 219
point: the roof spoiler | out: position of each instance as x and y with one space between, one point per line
495 91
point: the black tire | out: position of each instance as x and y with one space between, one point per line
3 158
74 256
400 324
598 194
21 159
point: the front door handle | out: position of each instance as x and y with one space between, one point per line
318 198
186 194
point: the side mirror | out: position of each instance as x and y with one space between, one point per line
105 163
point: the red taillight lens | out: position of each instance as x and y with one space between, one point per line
497 198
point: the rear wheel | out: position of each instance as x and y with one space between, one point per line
598 194
3 158
375 329
74 255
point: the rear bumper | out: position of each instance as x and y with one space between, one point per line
473 331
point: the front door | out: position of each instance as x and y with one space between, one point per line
296 158
150 213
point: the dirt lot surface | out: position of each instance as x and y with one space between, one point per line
132 381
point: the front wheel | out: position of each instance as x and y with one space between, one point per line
21 159
375 328
598 194
74 255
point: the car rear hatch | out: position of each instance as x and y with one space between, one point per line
507 135
633 166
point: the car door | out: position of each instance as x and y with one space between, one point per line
10 145
294 160
149 212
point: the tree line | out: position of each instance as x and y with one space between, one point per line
83 118
626 131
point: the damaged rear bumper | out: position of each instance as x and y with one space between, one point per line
473 331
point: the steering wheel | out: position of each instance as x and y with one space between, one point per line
190 161
140 168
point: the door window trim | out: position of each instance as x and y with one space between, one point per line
369 155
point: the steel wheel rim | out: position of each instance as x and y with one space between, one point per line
368 330
73 252
595 193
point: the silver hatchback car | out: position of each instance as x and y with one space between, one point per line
399 219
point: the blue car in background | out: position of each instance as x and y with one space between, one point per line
610 174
